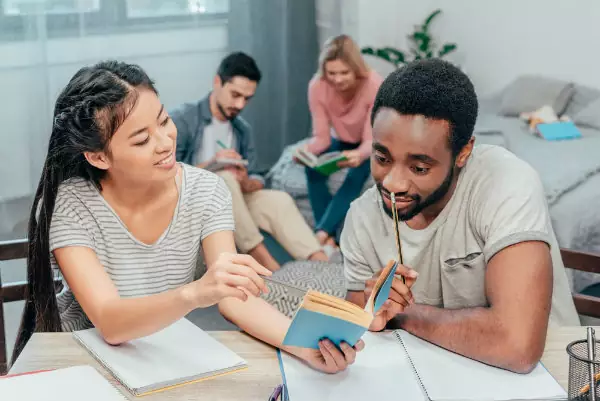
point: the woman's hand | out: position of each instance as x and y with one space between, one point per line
231 275
354 159
329 358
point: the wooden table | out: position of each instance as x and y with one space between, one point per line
59 350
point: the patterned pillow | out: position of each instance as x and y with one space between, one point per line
324 277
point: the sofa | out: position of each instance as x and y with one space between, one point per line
569 169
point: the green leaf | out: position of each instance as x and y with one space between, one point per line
367 50
423 40
447 48
397 55
430 18
381 53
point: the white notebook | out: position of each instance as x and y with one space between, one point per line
179 354
69 384
379 372
446 376
398 363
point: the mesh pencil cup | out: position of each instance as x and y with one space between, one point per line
584 368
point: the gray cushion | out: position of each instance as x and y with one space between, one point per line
584 95
530 92
589 116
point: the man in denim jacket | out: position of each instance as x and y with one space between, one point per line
212 130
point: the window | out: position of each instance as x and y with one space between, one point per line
175 8
34 7
22 19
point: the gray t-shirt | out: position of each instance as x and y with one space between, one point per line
499 201
82 217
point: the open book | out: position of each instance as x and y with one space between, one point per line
326 164
326 316
179 354
221 163
398 365
68 384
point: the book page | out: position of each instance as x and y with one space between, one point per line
448 376
381 372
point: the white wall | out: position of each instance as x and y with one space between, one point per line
182 63
497 40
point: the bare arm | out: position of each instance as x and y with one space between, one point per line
321 138
511 332
261 320
272 325
118 319
123 319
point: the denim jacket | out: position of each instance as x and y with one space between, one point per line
191 119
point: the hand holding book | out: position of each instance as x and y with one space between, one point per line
400 296
353 159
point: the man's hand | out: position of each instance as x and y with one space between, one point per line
353 157
400 296
251 185
227 154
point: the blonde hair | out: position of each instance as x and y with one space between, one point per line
343 48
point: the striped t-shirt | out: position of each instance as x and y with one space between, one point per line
82 217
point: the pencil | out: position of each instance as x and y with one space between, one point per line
221 144
586 388
397 231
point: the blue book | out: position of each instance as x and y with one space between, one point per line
558 130
322 316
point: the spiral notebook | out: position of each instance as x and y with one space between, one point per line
68 384
400 363
182 353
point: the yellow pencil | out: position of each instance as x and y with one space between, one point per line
397 231
586 388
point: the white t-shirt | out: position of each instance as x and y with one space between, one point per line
217 130
499 201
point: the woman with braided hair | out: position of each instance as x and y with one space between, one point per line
124 224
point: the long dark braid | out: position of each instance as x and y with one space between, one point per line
87 113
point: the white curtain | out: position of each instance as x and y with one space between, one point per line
44 42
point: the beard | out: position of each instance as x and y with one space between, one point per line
229 116
419 204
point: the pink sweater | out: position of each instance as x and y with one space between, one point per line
351 120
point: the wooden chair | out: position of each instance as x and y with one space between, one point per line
10 250
586 303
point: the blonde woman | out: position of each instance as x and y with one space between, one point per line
340 98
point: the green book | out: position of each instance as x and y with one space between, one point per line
326 164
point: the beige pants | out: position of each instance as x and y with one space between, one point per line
273 211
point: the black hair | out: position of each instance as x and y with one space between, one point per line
88 111
435 89
238 64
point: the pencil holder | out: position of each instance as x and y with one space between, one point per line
584 368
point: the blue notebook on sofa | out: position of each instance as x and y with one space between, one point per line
323 316
558 131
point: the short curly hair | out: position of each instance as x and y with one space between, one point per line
435 89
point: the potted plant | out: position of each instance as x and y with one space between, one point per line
422 45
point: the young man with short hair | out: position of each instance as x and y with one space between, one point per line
212 129
484 276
